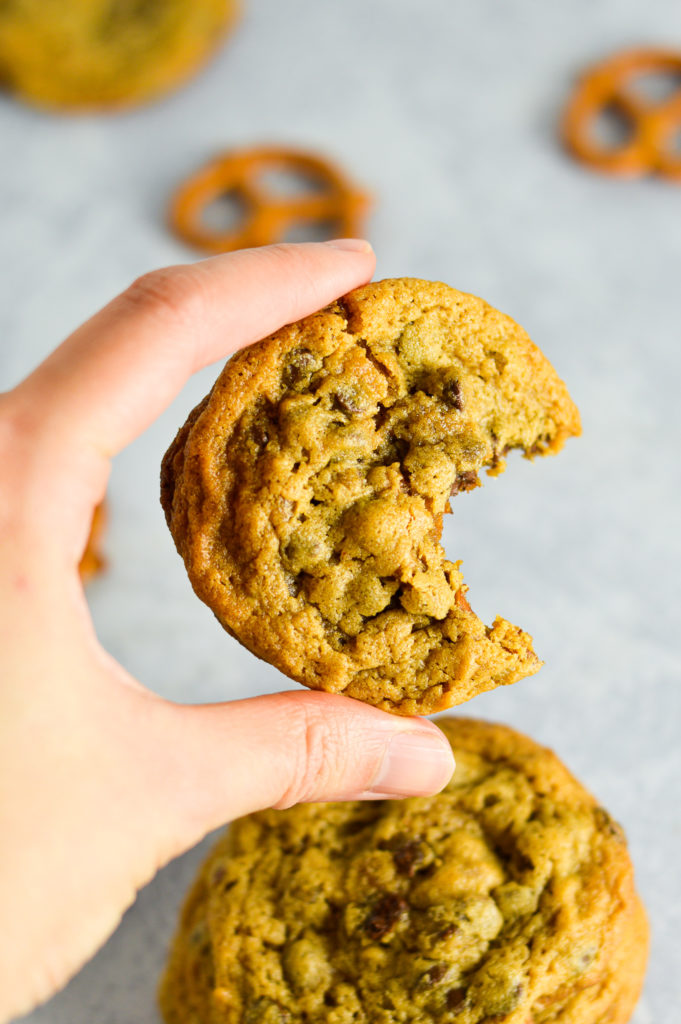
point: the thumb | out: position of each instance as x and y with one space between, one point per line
227 760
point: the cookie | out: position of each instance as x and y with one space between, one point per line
95 53
306 492
507 898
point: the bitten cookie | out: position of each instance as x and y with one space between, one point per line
509 898
95 53
306 492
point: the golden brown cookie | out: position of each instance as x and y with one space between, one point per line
93 561
306 492
331 201
507 899
101 53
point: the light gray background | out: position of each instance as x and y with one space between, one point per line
447 111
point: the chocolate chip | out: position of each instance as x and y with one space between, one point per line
260 435
407 853
465 481
539 446
451 393
346 400
435 974
384 916
408 857
607 824
301 363
455 997
523 863
500 453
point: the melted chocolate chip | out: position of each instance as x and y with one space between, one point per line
451 393
408 857
301 363
523 863
435 974
407 853
465 481
346 400
501 453
455 997
384 916
260 435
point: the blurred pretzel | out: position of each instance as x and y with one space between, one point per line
93 562
266 216
654 125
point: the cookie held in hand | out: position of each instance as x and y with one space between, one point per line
306 492
509 897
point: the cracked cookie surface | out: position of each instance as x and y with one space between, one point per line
508 898
306 492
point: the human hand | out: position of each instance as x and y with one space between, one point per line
101 781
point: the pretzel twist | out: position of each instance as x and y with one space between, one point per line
93 561
266 217
611 85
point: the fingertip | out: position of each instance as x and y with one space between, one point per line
415 763
350 245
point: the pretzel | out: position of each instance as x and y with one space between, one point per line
650 150
267 217
93 562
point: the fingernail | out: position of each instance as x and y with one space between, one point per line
350 244
414 764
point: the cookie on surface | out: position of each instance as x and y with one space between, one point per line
306 492
509 898
99 53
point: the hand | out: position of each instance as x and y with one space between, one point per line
101 781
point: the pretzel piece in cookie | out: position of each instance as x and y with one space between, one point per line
331 199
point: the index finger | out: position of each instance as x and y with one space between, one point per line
111 378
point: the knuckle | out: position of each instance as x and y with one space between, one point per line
172 292
319 754
300 268
280 252
17 428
